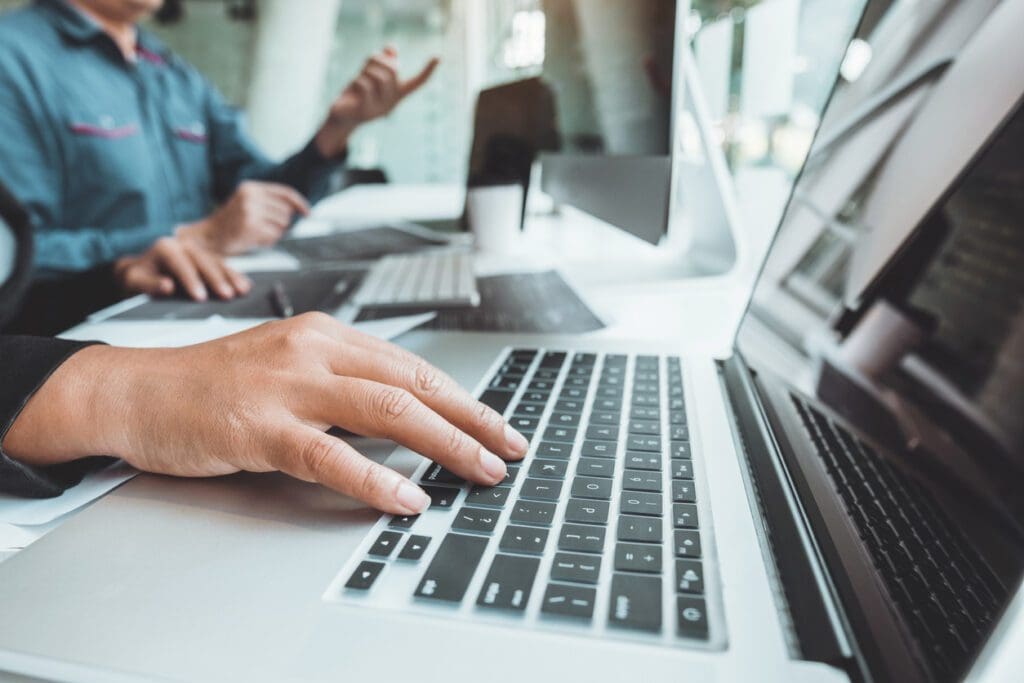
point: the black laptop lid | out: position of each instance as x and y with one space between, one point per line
927 373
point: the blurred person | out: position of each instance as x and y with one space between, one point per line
132 166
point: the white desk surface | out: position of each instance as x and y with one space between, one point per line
639 290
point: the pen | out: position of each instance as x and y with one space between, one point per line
280 301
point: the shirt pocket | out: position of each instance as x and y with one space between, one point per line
190 146
106 152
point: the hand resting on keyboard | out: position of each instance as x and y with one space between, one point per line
261 401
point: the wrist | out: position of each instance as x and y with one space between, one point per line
79 411
332 138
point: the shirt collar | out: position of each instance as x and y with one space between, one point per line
79 28
71 23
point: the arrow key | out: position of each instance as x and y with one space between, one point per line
364 575
414 548
385 544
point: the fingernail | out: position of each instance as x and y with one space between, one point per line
412 498
200 294
492 464
517 443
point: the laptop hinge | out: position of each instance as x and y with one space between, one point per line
814 618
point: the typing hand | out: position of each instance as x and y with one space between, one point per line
256 215
171 262
372 94
260 401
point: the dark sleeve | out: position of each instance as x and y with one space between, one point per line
27 362
235 157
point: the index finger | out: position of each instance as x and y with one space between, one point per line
416 82
290 196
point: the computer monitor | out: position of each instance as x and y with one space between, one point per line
611 69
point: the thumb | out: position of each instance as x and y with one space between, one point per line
416 82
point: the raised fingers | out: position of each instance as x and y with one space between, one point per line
311 455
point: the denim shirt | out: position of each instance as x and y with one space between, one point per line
108 155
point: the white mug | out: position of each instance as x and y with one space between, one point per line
495 217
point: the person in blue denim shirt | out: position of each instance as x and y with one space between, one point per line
124 154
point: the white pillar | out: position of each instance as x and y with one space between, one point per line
293 48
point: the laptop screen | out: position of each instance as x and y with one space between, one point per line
929 368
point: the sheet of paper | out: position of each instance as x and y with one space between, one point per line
33 511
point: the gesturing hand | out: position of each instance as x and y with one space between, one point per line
260 401
171 262
256 215
373 93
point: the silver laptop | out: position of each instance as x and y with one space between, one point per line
835 500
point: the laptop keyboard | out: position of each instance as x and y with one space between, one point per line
599 530
948 596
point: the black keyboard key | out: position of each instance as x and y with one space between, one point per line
528 410
645 413
385 544
638 557
441 496
581 382
609 392
496 400
605 417
682 469
643 443
403 521
540 489
639 529
549 449
564 419
678 432
414 548
569 406
522 355
683 491
596 467
364 575
635 602
598 449
549 469
676 403
573 393
511 471
508 582
581 538
687 543
684 516
523 539
569 601
679 449
545 373
611 405
640 503
436 474
587 511
452 568
553 359
524 424
677 417
616 359
646 400
575 567
693 618
639 480
476 519
592 487
560 434
509 384
583 358
689 577
491 496
602 433
641 387
545 385
538 397
533 512
641 460
646 427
